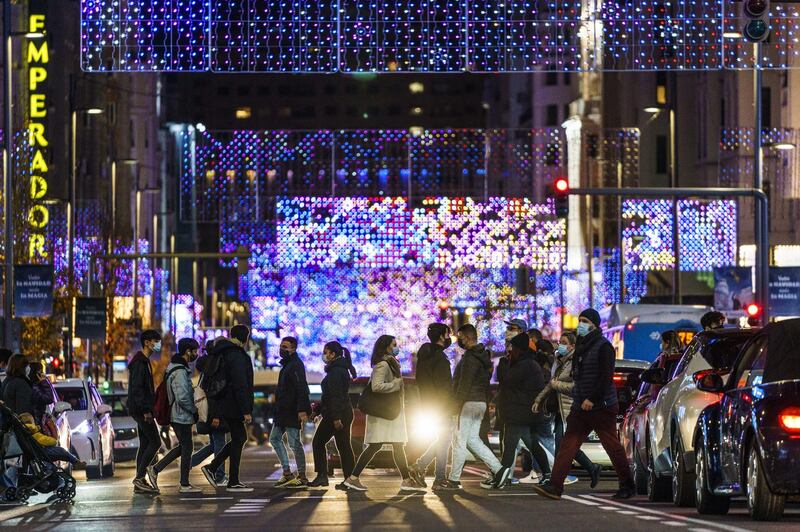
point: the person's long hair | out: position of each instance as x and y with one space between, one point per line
16 366
340 351
380 349
672 340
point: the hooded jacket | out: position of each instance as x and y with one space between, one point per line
141 392
291 394
180 392
433 377
524 380
471 376
335 402
237 399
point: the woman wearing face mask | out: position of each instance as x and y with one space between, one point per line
336 412
385 379
42 391
17 388
560 389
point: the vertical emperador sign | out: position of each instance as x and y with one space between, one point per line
37 59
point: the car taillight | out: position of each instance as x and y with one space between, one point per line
789 419
620 379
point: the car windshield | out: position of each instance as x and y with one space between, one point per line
74 396
721 353
118 404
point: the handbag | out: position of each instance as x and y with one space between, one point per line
382 405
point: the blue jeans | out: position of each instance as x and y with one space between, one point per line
216 441
438 450
276 440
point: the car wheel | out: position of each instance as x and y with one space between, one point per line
639 474
659 489
96 472
706 502
761 502
682 480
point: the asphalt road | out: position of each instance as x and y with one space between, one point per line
110 505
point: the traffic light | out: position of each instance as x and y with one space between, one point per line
753 313
443 306
561 197
756 19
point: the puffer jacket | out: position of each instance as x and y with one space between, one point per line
560 384
291 394
180 392
471 376
141 392
236 401
18 394
335 402
522 384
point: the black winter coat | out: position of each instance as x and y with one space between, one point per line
291 395
524 380
237 399
471 376
141 392
433 377
213 406
42 395
17 395
335 403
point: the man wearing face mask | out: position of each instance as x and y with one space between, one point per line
594 407
292 408
141 397
435 384
183 414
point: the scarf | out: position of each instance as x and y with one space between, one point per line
394 365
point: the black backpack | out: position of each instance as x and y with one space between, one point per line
214 380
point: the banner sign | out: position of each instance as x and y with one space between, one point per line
784 291
33 291
90 317
733 288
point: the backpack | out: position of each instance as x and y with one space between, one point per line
214 381
162 407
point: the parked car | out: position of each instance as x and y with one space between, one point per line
673 415
58 410
748 443
92 431
626 381
126 437
633 429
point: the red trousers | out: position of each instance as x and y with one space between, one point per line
579 424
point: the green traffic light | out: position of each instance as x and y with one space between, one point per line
756 30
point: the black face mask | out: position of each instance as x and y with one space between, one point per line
461 345
448 342
285 353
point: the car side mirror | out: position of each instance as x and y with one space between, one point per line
102 410
654 376
60 407
707 381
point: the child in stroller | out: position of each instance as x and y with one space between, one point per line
37 470
49 443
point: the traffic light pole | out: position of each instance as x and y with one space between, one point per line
762 213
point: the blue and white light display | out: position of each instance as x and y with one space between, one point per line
424 35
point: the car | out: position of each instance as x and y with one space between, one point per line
748 443
126 436
92 430
58 411
673 415
633 429
626 382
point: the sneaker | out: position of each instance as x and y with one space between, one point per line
624 493
80 464
595 473
222 481
513 481
487 483
209 476
451 485
571 479
355 484
189 489
418 475
152 476
547 490
409 484
545 480
297 483
319 482
533 478
439 485
140 485
239 488
285 479
501 477
341 486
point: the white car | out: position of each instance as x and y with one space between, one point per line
673 415
59 409
92 432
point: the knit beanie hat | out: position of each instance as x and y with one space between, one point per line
591 315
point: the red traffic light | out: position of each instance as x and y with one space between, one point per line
561 185
753 310
755 8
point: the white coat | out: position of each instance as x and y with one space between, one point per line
381 430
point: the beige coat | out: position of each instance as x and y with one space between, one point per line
381 430
561 383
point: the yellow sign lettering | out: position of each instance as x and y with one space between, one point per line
36 247
36 76
38 216
36 135
38 106
38 187
40 54
39 164
36 23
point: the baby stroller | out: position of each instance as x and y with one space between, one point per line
36 473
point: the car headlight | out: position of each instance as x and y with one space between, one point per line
84 428
425 425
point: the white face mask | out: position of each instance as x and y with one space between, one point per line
157 347
583 329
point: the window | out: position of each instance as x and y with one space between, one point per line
551 78
551 115
742 374
685 360
661 154
74 396
721 353
766 108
